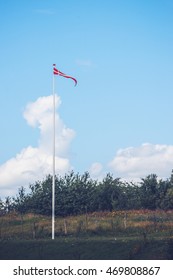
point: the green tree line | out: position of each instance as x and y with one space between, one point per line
78 194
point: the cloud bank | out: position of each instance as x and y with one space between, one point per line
34 163
137 162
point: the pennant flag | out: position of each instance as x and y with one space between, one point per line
57 72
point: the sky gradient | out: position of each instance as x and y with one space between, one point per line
118 118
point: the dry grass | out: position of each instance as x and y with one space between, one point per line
117 223
104 235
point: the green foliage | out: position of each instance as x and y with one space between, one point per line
80 194
1 207
20 202
149 192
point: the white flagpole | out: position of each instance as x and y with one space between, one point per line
53 175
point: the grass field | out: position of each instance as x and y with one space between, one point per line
104 235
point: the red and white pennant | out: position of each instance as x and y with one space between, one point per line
57 72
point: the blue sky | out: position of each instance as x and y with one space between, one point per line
119 118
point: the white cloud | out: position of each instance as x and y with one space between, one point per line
137 162
34 163
44 11
85 63
96 171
